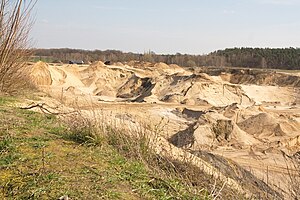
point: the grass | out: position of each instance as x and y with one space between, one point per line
4 100
44 157
38 162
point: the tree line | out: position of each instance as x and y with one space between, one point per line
280 58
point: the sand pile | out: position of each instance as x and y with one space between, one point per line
257 77
172 89
136 87
198 90
102 80
118 64
217 94
40 74
97 64
267 127
163 68
156 69
209 131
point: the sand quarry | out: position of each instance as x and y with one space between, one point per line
239 123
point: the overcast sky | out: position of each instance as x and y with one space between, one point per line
166 26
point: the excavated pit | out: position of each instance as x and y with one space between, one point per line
241 121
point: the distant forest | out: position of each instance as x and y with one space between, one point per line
280 58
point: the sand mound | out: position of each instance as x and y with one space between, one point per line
94 67
262 125
119 64
135 87
197 90
163 68
40 74
98 63
217 94
210 130
174 66
103 80
264 78
161 65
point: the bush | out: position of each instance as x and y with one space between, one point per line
15 23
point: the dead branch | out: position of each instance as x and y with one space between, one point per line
43 109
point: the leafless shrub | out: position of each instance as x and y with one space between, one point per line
15 24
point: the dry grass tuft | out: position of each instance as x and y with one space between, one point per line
177 179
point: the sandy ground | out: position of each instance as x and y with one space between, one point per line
254 122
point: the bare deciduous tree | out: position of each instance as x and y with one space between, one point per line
15 24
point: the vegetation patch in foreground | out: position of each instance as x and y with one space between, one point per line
42 158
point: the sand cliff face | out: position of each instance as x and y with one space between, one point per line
249 116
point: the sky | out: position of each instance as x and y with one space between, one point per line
166 26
